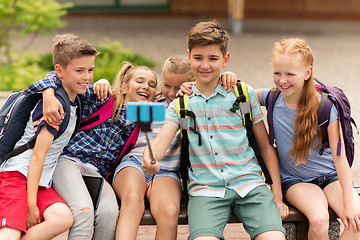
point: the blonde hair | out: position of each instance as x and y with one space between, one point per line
307 132
178 64
124 76
207 33
68 46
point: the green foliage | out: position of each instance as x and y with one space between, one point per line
20 74
31 17
112 55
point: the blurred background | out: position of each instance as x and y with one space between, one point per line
146 32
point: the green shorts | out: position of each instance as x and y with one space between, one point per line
257 211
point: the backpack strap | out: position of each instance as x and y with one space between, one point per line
271 98
31 143
243 103
129 145
324 110
182 109
184 113
98 117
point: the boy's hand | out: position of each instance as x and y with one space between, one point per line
33 216
185 88
228 80
52 109
150 168
102 88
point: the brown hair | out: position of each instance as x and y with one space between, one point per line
307 132
124 76
68 46
207 33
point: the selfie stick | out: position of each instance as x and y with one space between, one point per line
145 113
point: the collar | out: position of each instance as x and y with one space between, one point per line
218 90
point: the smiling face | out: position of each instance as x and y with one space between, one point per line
206 64
290 74
77 75
171 84
141 87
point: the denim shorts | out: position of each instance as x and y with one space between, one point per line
133 162
321 181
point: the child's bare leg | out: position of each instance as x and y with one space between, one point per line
130 186
58 218
9 233
271 235
311 201
164 195
333 193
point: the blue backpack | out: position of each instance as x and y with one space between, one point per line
14 115
329 96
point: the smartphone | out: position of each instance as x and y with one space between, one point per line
94 186
145 111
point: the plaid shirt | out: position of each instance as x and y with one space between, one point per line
101 145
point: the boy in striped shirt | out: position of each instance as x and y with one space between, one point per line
225 175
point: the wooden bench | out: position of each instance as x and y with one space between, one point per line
295 216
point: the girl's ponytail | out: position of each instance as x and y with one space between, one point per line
117 88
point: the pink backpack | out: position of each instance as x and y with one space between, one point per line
101 116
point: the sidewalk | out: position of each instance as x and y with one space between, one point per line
335 45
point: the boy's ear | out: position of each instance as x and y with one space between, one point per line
226 59
58 70
188 53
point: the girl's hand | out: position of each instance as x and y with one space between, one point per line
283 209
33 216
149 167
351 217
52 109
102 88
185 88
228 80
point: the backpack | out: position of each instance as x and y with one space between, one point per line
241 103
100 116
14 115
329 96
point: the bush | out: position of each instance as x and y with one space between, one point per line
22 73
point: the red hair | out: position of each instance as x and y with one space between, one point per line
307 132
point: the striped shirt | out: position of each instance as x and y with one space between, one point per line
224 160
99 146
171 160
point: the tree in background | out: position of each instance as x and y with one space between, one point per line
21 17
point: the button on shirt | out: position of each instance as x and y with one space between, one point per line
224 160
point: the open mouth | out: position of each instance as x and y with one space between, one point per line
144 95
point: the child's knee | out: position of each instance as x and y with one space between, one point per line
9 234
61 216
319 222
